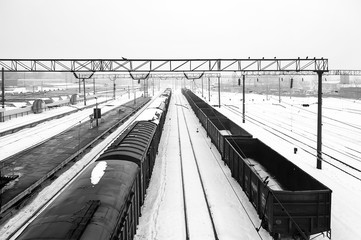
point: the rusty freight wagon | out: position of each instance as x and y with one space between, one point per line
289 201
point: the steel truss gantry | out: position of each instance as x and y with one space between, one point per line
164 65
315 65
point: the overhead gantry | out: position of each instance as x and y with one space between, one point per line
131 66
164 65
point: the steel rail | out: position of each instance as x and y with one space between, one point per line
182 177
195 119
201 179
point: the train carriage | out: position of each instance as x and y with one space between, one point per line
85 210
105 201
218 127
138 145
289 201
286 197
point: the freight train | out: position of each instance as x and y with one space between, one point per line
105 201
289 201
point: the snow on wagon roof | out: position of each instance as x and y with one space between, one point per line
151 115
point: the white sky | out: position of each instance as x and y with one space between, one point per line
182 29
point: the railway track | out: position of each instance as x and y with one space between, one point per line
306 143
188 154
230 183
333 120
307 137
18 222
39 135
190 169
39 130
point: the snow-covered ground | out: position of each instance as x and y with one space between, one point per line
235 218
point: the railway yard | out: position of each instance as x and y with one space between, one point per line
197 188
180 120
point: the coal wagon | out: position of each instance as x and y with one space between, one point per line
288 200
218 126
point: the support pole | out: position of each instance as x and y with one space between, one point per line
192 79
279 90
319 122
114 89
94 85
82 78
96 106
138 79
202 87
84 91
153 85
3 87
79 86
134 91
144 88
219 91
244 98
209 89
